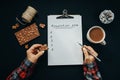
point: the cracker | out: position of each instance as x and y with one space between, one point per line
27 34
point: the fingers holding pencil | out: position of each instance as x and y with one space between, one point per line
88 58
91 50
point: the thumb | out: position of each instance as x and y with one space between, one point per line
40 53
85 52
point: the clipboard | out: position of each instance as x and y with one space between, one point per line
64 33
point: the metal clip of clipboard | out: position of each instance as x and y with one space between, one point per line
65 15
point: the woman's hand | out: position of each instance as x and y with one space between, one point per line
35 51
88 57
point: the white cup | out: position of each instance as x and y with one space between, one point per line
96 34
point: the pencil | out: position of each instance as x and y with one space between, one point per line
90 52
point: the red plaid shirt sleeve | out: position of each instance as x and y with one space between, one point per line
91 72
22 72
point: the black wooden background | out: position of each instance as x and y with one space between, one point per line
11 53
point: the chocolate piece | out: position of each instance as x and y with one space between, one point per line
27 34
42 25
26 46
17 25
14 27
41 48
44 47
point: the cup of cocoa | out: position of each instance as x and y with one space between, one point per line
96 35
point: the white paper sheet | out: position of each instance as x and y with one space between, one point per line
63 38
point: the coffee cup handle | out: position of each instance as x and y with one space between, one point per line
103 43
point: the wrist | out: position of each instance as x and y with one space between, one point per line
32 60
91 65
27 62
